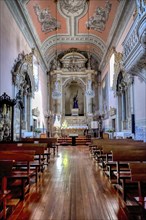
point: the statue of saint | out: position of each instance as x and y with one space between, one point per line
75 101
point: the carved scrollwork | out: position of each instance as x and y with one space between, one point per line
48 22
141 7
22 73
74 62
72 6
98 21
134 60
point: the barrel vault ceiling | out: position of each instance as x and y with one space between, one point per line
59 26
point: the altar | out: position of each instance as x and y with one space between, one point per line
73 136
74 125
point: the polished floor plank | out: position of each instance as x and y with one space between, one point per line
73 188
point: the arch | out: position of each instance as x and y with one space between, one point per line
74 78
71 87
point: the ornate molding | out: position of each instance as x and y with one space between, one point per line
17 8
74 39
35 112
48 22
117 69
134 59
124 13
139 69
98 20
141 7
75 8
23 65
74 62
130 43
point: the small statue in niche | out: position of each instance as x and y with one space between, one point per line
75 101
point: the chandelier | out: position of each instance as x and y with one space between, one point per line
89 92
56 93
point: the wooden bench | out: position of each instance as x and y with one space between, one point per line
137 193
5 171
19 177
39 149
126 157
103 155
51 143
138 174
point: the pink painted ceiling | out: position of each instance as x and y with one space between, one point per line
73 32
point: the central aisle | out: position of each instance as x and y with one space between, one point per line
73 188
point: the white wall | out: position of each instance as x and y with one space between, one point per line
12 42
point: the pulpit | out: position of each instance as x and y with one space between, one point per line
73 136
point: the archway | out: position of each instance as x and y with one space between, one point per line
71 88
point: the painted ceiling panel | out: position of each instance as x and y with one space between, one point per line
81 24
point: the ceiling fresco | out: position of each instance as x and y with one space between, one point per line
59 25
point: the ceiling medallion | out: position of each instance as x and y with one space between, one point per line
70 7
48 22
98 21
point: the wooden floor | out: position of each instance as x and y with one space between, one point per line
73 188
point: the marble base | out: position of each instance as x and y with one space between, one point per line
75 112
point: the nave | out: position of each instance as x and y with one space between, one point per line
73 188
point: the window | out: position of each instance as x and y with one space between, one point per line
112 62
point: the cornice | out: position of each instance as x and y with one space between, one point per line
17 11
125 11
63 39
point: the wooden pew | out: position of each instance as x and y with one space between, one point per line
137 193
51 142
138 174
100 143
5 171
23 177
103 153
39 151
120 156
39 148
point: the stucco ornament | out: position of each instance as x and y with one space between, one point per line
117 68
141 7
72 6
98 21
48 22
21 70
74 62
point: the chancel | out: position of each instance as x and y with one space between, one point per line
72 109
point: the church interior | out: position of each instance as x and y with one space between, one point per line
73 109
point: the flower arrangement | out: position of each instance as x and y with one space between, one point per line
37 130
111 130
